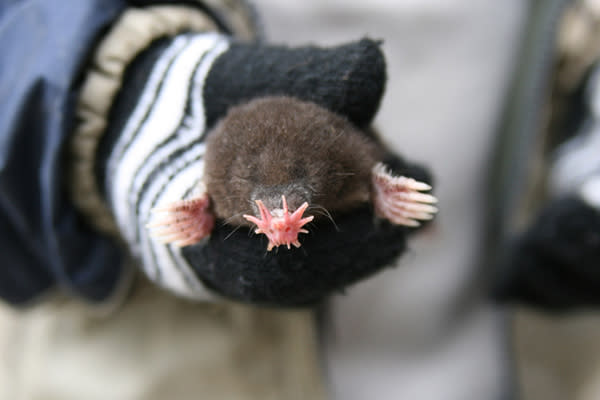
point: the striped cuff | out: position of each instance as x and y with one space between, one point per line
158 157
590 192
576 164
135 30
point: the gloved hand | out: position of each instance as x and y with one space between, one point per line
173 94
553 264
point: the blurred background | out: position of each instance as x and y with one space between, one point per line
423 330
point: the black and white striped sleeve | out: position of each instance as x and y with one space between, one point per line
576 164
553 263
158 155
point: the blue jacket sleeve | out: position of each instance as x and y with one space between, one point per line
43 243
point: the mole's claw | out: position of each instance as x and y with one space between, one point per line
421 197
399 199
184 222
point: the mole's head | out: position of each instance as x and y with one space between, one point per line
269 157
280 217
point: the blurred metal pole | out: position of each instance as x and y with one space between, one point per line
519 144
521 127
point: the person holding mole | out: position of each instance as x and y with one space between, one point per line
158 158
145 106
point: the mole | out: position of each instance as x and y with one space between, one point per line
277 163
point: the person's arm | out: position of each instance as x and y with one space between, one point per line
554 263
156 80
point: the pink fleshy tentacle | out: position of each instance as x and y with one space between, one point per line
280 230
265 215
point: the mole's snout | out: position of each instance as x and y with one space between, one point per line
279 225
295 194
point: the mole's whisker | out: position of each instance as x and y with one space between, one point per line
324 212
228 220
232 232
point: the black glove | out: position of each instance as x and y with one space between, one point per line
555 264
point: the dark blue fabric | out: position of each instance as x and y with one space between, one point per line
44 45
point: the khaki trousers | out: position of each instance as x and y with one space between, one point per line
158 347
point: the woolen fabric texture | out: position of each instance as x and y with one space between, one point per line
554 264
348 79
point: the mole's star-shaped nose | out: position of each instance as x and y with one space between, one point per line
280 226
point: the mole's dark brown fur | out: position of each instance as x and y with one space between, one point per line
278 146
268 161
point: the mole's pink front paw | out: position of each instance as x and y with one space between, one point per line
399 199
183 222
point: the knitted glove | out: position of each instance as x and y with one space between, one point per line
152 154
